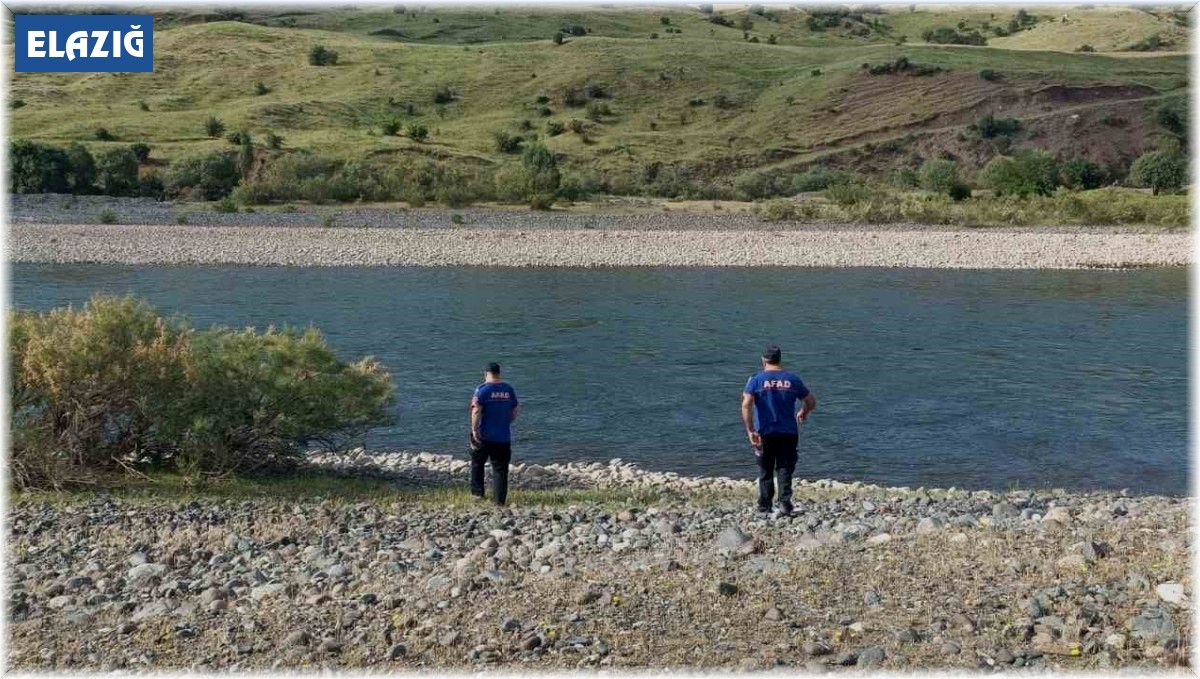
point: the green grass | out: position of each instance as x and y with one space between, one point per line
498 63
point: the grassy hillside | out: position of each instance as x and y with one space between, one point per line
707 98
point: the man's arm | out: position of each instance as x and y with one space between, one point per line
476 417
512 415
748 419
810 404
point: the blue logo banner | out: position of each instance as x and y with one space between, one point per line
84 43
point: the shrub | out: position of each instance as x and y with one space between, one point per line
724 102
246 155
1029 172
989 127
390 128
938 175
1160 170
577 126
554 128
1172 116
81 168
226 205
260 89
108 217
214 127
577 31
950 36
141 151
456 219
117 172
1085 48
442 94
558 38
851 193
597 91
114 386
596 112
574 97
507 143
418 133
150 185
102 134
959 191
38 168
274 141
17 103
782 210
212 176
817 179
1080 174
990 75
754 185
320 56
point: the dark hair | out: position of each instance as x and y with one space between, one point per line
772 355
493 368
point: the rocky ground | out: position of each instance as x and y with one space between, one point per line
862 577
65 229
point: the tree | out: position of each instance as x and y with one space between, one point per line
37 167
1080 174
117 172
246 155
1027 173
938 175
214 127
141 150
1160 171
81 168
1172 116
212 175
418 132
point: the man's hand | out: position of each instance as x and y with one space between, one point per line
755 440
802 416
476 439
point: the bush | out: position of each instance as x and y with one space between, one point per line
989 127
596 112
37 168
81 168
574 97
114 386
212 176
1080 174
1029 172
391 128
754 185
150 185
442 94
950 36
1172 116
817 179
102 134
274 141
990 75
959 191
260 89
108 217
418 133
851 193
938 175
1160 171
214 127
781 210
558 38
320 56
507 143
554 128
141 151
117 172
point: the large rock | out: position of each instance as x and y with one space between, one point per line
145 571
1172 593
734 541
929 525
1058 516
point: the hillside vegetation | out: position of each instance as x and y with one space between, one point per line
678 101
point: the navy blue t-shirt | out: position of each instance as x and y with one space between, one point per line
498 400
775 395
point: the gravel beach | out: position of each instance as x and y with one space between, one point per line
54 229
862 577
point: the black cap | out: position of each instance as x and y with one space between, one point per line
493 368
772 354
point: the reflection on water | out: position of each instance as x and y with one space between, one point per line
974 379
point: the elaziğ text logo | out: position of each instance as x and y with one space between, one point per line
84 43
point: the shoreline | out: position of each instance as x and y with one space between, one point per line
862 577
609 247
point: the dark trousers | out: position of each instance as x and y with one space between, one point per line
499 454
778 460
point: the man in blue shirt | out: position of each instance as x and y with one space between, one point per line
494 406
769 413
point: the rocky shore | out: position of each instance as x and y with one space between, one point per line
862 577
66 229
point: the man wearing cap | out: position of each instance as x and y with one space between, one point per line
770 415
493 409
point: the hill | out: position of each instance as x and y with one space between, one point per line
632 91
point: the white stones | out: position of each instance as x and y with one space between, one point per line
879 539
1172 593
144 571
1058 516
929 525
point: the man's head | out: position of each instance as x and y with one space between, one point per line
772 355
492 371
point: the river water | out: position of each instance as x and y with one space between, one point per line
974 379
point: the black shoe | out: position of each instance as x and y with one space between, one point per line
785 509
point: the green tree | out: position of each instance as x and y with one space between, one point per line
37 168
214 127
938 175
246 155
1029 172
1160 171
320 56
1080 174
212 176
81 168
117 172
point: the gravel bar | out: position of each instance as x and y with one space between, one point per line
472 246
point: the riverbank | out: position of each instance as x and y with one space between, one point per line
622 569
469 246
